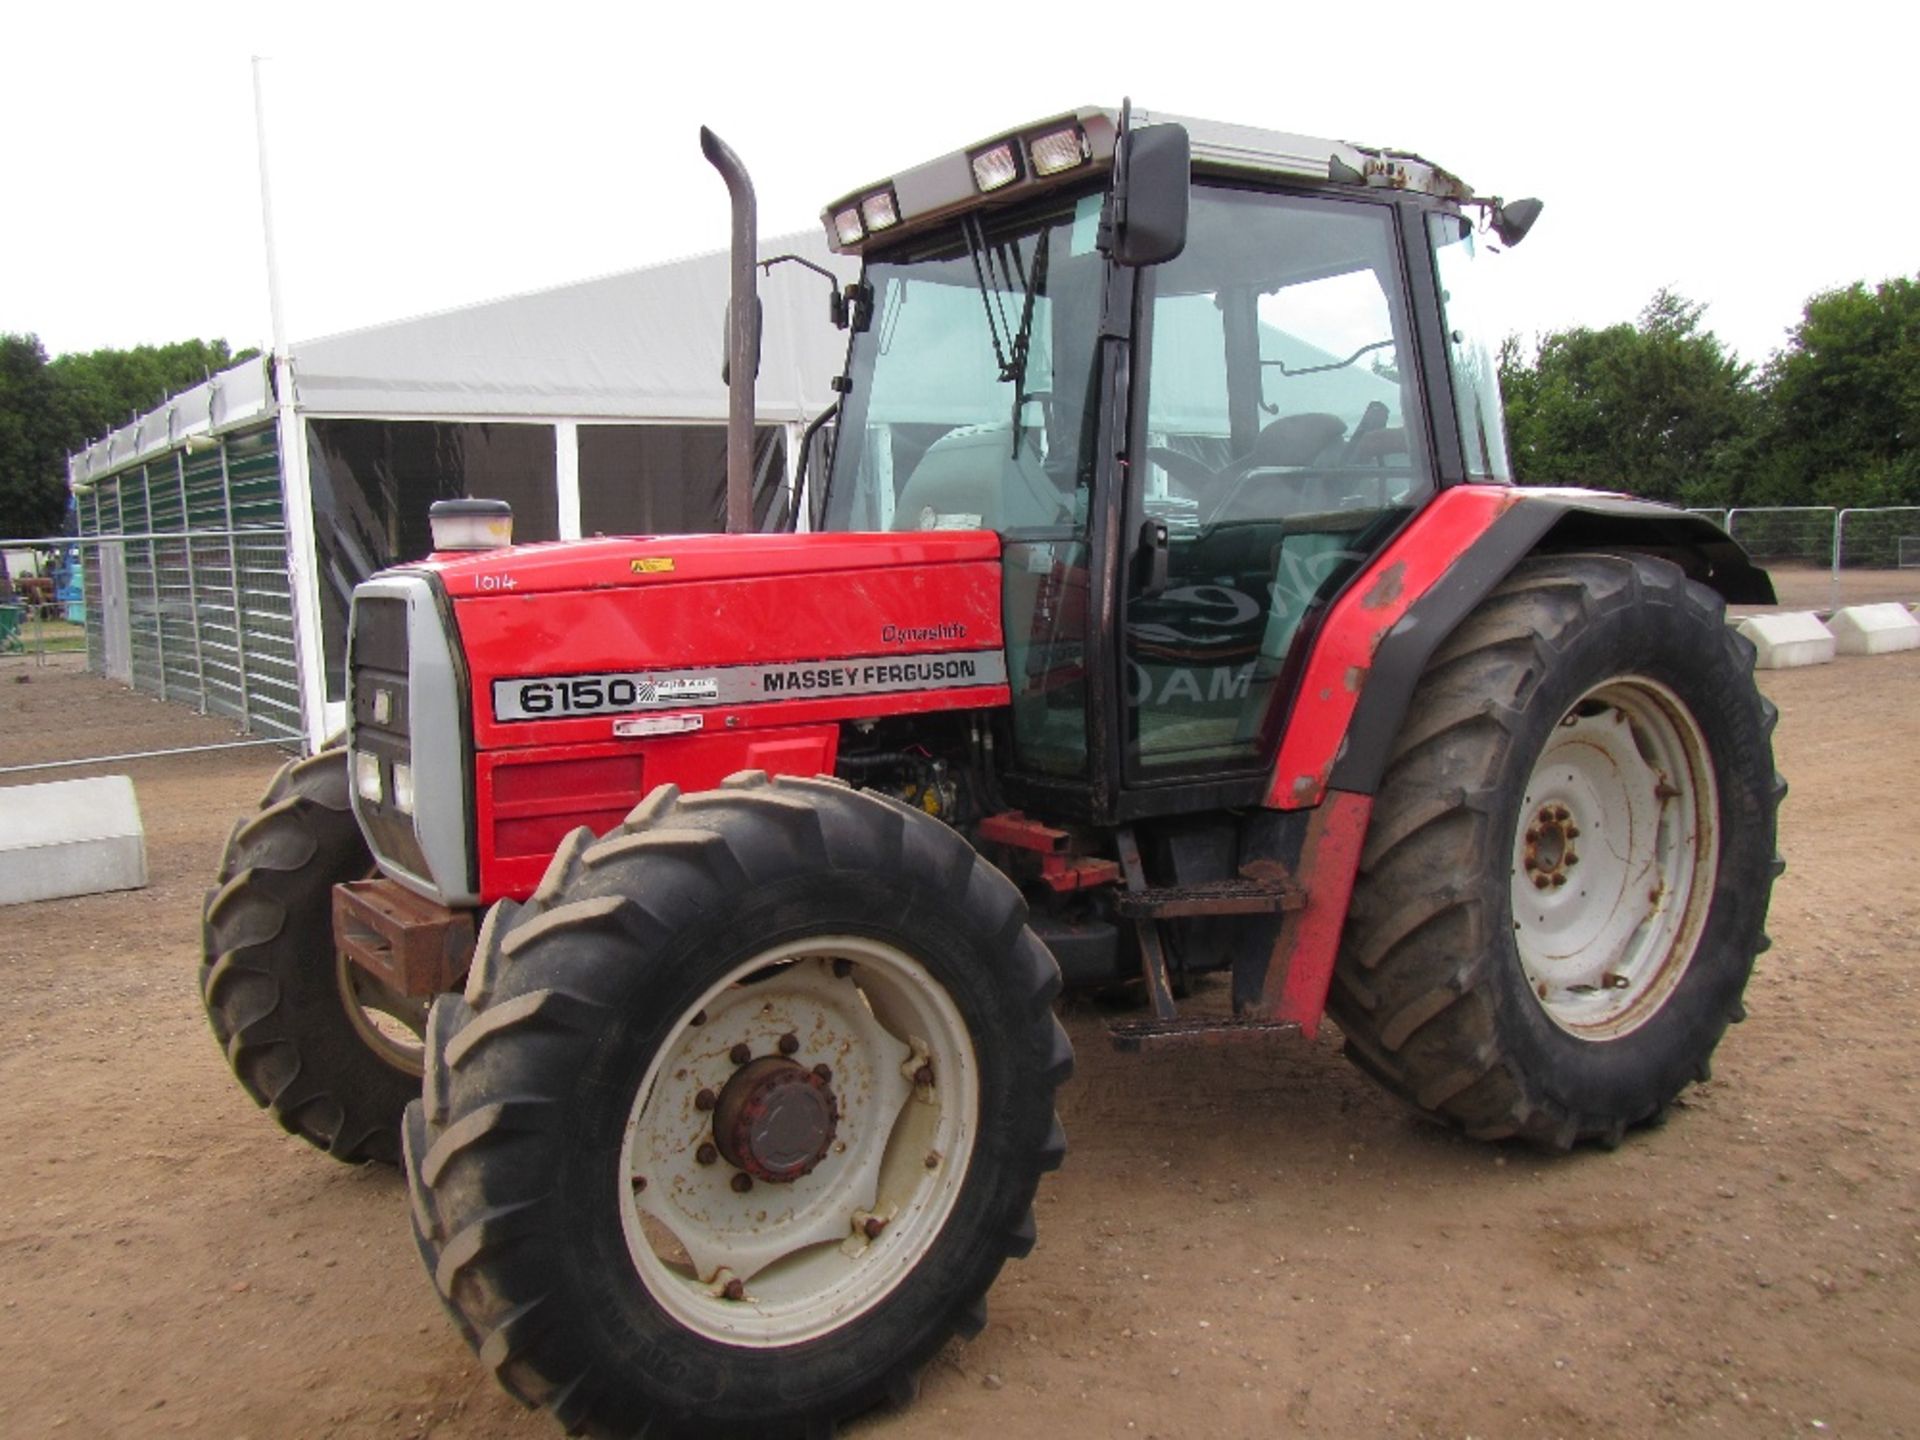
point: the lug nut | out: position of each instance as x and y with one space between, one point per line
742 1183
1540 882
706 1154
639 1183
825 1072
740 1053
733 1290
872 1227
1572 859
699 1018
1558 881
933 1159
705 1100
1533 835
924 1075
789 1043
1573 832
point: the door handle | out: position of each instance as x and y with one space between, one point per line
1153 558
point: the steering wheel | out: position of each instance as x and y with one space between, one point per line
1196 475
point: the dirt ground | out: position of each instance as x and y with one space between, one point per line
1245 1243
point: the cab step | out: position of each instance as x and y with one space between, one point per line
1133 1036
1212 897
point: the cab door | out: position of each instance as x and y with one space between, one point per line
1278 440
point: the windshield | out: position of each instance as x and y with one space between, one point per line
972 393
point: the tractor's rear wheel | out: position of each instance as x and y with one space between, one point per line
1567 872
739 1115
326 1049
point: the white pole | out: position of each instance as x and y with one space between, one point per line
295 488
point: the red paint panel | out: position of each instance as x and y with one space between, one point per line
742 621
529 799
1327 878
646 562
1343 651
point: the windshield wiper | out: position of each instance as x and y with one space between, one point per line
1011 351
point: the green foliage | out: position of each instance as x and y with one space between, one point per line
1843 415
49 409
33 440
1658 408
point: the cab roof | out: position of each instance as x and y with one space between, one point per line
920 197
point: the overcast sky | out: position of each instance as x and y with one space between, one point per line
427 156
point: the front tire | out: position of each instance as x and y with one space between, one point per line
324 1048
740 1114
1567 871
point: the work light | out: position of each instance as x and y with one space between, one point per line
996 166
366 777
1057 150
846 224
879 210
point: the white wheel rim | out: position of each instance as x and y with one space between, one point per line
1614 856
787 1261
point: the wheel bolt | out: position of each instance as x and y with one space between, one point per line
639 1183
1558 881
923 1076
740 1053
825 1072
733 1290
789 1043
872 1227
1533 835
742 1183
1540 882
705 1100
706 1154
699 1018
1572 859
1573 832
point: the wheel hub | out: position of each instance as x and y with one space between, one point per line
1549 850
775 1120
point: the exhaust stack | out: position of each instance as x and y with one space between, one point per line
743 332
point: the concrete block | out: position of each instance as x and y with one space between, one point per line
1787 640
70 837
1875 629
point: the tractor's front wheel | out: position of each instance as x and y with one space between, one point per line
739 1115
1566 876
329 1051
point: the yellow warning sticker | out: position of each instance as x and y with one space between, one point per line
653 565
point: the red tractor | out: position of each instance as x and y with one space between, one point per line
1158 604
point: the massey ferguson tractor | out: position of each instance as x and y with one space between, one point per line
686 913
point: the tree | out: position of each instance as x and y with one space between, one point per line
34 440
1658 408
1843 401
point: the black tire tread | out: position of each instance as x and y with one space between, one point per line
258 929
474 1172
1410 992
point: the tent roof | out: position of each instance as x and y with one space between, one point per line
640 345
644 344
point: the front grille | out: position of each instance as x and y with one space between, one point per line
380 704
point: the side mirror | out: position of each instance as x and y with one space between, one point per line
1151 195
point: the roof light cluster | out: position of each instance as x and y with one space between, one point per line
1048 153
869 215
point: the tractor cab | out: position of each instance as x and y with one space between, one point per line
1205 448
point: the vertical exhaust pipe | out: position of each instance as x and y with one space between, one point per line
743 332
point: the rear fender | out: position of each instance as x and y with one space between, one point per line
1371 652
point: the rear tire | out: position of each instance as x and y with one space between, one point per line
1593 708
297 1024
569 1197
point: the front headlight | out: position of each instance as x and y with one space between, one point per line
366 777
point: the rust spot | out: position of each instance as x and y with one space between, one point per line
1391 584
1356 677
1303 787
